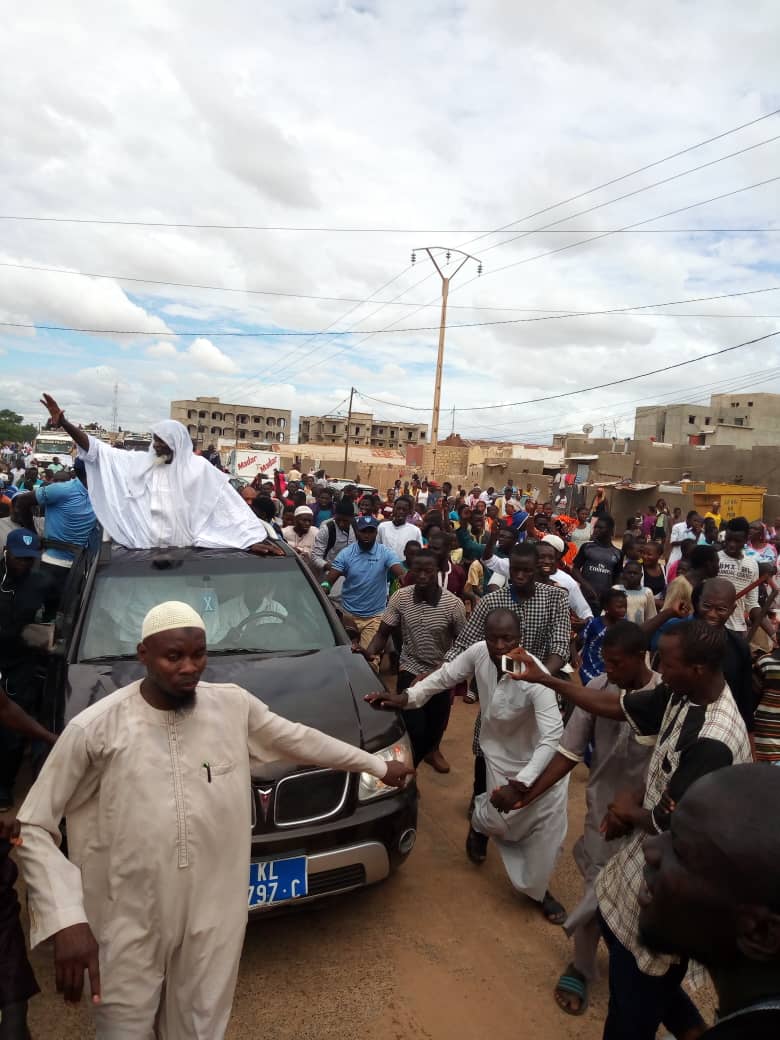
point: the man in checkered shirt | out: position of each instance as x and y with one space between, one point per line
694 726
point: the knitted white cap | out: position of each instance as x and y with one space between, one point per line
554 541
170 615
304 511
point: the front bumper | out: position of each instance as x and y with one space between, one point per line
349 853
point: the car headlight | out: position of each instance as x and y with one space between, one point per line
399 751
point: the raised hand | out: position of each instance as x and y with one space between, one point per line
52 408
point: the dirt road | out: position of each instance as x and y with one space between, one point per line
441 951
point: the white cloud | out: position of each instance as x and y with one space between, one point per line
366 137
206 355
161 350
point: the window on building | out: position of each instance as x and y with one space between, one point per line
691 419
708 420
739 422
334 429
750 404
357 430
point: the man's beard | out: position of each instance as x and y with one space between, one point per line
163 460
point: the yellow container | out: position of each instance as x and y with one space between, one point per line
735 500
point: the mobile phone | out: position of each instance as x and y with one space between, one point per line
510 666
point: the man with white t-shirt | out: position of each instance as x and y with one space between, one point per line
550 550
397 531
691 527
741 571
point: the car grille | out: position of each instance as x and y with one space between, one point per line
308 797
332 880
302 798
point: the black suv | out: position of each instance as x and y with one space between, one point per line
271 630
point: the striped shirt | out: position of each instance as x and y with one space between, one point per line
688 740
767 718
428 630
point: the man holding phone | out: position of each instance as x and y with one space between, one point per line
521 729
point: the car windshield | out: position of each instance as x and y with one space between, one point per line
261 610
61 447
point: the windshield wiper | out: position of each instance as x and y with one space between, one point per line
107 658
276 653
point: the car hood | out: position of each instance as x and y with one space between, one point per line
323 689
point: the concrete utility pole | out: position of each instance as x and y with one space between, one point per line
445 290
346 437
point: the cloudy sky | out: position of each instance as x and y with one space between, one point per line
436 123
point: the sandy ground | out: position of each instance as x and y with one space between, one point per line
443 950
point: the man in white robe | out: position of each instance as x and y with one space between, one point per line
167 496
521 729
154 782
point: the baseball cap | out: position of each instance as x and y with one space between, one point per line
303 511
23 544
555 542
367 521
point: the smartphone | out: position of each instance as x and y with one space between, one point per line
511 667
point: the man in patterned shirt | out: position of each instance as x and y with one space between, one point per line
694 726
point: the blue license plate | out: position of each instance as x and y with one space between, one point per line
277 880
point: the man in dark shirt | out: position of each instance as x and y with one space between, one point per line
597 564
23 593
710 892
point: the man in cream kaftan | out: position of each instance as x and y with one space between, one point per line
158 810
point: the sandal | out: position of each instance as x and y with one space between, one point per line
552 909
572 984
476 847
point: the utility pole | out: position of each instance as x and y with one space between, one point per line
452 427
346 436
445 290
115 409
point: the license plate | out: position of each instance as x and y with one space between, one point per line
277 880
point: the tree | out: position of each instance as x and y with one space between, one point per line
14 428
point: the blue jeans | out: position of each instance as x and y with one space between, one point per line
639 1003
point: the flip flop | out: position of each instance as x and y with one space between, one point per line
552 909
572 982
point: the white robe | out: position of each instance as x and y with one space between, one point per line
159 857
143 504
521 728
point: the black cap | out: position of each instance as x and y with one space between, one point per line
344 508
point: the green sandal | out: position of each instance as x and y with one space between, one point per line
572 982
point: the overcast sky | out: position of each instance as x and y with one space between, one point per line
439 120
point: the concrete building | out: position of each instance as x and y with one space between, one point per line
210 421
364 431
741 420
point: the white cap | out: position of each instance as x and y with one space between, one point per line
555 542
167 616
303 511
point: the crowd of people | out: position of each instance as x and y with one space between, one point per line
652 659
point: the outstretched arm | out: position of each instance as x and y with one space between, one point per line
14 717
58 419
597 702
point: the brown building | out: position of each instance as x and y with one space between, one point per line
364 431
209 421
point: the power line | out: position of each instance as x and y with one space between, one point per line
116 222
659 216
638 191
506 227
632 173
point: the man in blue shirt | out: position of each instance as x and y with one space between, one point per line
69 518
365 566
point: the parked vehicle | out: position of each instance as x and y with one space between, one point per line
337 486
51 445
271 630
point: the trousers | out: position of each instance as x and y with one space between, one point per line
426 725
640 1003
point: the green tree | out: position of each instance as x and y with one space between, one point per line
14 428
